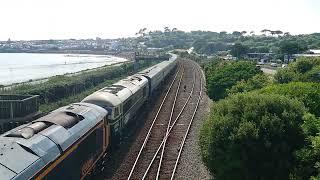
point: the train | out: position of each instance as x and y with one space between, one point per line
70 141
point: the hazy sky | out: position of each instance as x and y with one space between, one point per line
56 19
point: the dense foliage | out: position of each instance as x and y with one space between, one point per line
252 136
308 157
275 128
222 76
207 42
238 50
304 69
256 82
308 93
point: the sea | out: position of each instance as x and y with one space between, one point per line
24 67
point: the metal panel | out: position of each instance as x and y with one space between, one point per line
6 173
30 171
59 135
15 157
42 146
84 126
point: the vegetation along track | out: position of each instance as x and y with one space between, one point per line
160 148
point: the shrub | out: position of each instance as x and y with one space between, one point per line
313 75
304 69
256 82
252 136
224 75
308 157
306 92
285 76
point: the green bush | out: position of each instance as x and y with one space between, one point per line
308 157
252 136
313 75
305 69
223 76
306 92
256 82
285 76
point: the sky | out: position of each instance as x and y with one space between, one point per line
63 19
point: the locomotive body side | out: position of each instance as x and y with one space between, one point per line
57 145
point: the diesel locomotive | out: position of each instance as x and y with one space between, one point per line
69 142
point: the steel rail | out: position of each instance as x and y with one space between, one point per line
189 126
167 135
154 120
169 123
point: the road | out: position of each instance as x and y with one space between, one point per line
269 71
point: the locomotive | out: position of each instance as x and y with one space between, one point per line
69 142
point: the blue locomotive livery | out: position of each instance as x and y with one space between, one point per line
68 142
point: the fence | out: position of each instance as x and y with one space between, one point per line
16 106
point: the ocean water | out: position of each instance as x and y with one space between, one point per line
22 67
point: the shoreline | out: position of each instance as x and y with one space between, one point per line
42 80
126 55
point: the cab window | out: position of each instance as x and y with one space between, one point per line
109 112
116 111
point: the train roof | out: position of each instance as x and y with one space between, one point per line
154 70
173 57
26 149
151 71
133 83
117 93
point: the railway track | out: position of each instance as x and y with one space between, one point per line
162 146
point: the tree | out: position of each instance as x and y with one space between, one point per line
223 76
286 34
306 92
166 30
290 47
308 157
249 135
256 82
313 75
142 32
304 69
243 33
236 33
265 31
284 76
223 33
278 32
238 50
303 66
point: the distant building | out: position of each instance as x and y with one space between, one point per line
315 51
309 53
261 57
